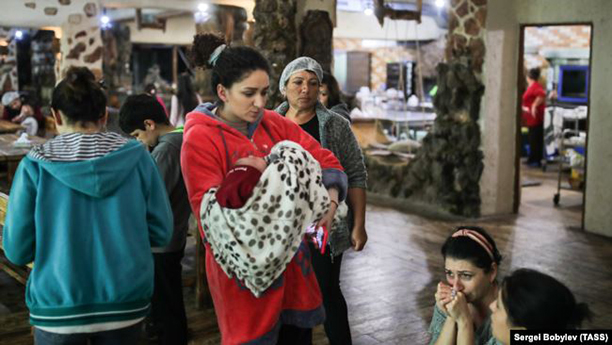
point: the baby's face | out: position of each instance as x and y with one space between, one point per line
252 161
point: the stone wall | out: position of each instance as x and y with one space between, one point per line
466 32
44 49
8 62
276 37
446 170
316 31
117 57
81 43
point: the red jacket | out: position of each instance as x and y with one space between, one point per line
531 94
210 148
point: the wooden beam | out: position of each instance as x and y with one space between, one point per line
381 11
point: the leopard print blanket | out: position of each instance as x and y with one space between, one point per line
256 242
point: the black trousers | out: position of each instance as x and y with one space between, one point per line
168 308
292 335
336 313
536 144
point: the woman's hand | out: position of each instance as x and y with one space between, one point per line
458 309
359 237
443 296
328 218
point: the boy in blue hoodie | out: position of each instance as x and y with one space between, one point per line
144 118
86 207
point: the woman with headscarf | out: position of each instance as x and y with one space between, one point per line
300 82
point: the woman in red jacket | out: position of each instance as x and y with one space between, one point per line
216 136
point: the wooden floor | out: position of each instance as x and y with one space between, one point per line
389 287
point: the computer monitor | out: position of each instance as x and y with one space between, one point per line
573 84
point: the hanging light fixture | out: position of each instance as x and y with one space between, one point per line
201 14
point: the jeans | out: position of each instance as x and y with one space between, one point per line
122 336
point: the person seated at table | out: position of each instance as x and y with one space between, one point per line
86 207
530 300
461 313
19 111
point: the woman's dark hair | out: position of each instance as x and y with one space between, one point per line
150 89
538 301
333 89
232 65
466 248
79 97
137 109
534 74
186 94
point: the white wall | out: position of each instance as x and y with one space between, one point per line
358 25
498 108
179 30
504 17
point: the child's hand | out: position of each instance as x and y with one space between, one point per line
252 161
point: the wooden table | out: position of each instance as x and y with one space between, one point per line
12 155
10 127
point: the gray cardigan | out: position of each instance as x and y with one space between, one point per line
337 136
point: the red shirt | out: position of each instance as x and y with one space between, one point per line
531 94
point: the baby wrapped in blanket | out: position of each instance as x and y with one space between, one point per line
262 212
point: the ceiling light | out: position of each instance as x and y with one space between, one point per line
440 3
368 11
202 7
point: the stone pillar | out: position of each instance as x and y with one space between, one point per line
276 37
316 37
43 64
117 56
81 43
466 33
446 170
8 63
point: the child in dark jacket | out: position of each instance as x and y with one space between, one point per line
144 118
86 207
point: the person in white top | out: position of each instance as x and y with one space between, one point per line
185 100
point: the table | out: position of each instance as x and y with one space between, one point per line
12 155
10 127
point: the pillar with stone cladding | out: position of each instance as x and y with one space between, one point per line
81 43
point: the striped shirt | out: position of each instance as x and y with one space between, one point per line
73 147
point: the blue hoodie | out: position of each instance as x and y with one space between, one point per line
89 226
